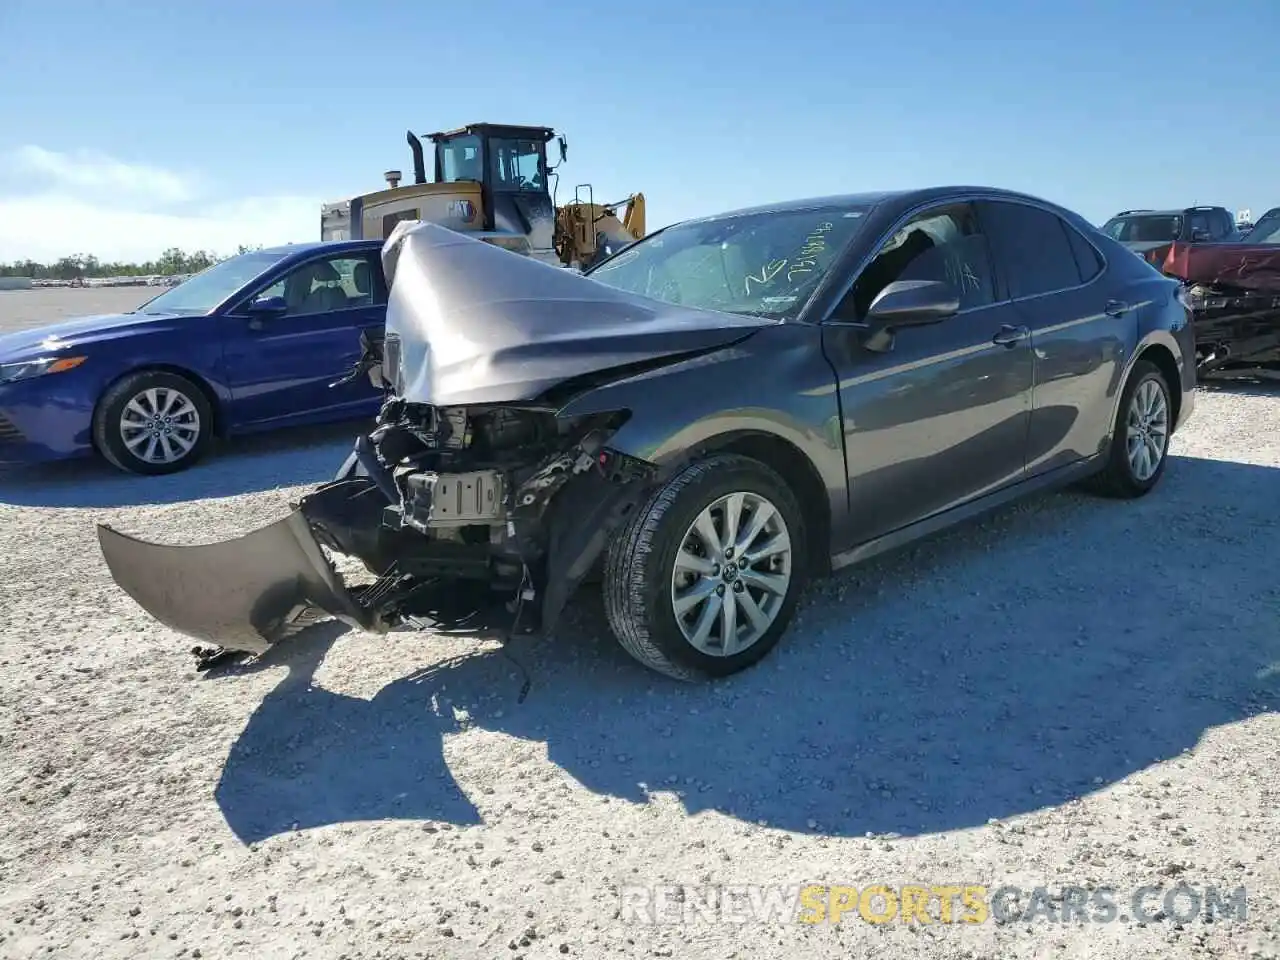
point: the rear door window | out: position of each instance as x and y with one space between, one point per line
1088 260
1034 254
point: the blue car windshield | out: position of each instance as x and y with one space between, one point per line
764 264
198 296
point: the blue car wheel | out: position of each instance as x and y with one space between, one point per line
153 422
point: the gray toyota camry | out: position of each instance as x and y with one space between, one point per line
705 420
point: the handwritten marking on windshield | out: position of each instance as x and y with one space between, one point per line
807 259
767 273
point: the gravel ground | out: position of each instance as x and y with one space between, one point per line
31 308
1073 692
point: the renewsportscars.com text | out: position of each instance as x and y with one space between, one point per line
958 903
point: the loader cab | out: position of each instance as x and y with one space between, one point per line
509 165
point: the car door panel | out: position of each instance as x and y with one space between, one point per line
941 418
937 421
1055 280
281 369
1079 351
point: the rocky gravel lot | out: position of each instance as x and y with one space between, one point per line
1071 693
31 308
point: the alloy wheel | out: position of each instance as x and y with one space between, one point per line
731 574
1147 429
160 425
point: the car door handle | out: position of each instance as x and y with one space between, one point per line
1116 308
1010 336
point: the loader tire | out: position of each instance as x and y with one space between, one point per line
152 404
641 578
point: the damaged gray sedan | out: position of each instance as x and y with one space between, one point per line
706 420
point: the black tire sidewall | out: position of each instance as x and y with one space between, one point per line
738 475
1141 374
106 432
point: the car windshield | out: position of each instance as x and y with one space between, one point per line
200 294
1157 228
764 264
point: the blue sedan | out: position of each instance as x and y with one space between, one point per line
251 344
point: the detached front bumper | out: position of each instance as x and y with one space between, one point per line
243 594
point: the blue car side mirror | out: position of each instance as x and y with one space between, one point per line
268 306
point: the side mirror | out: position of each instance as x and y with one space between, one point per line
908 303
1199 236
268 307
564 147
265 308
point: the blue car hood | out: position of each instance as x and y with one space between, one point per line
57 337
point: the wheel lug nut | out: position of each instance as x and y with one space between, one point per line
729 554
737 587
720 590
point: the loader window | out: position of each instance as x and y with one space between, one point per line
764 264
516 165
460 160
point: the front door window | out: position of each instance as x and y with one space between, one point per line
325 285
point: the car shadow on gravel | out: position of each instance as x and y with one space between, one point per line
249 464
1006 666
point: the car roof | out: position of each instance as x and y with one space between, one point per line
1171 212
895 198
311 246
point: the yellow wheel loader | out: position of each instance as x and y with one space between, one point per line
493 182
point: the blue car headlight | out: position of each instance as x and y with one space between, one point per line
26 369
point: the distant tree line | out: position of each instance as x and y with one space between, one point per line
87 266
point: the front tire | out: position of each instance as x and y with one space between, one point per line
152 422
704 578
1140 438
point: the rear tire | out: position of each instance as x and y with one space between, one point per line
642 584
152 422
1144 422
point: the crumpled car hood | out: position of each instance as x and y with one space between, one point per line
1240 265
471 323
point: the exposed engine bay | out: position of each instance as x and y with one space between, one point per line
1233 290
514 500
507 496
1236 329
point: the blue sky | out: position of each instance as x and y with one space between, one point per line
208 124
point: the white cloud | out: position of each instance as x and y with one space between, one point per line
87 202
95 173
49 226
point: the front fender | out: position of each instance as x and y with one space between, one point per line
777 383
